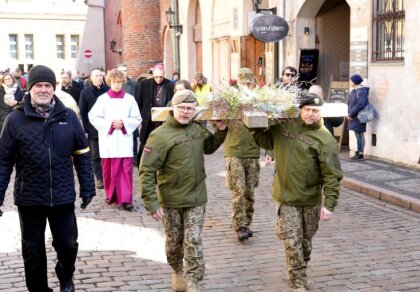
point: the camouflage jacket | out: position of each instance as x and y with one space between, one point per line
174 153
307 163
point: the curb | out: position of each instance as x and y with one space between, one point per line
381 194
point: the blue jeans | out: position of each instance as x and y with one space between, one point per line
360 137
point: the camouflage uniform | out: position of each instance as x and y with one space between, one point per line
296 226
307 170
183 240
242 177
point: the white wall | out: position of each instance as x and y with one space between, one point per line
44 22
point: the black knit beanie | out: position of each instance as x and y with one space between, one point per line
41 73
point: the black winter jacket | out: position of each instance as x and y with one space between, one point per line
44 152
87 100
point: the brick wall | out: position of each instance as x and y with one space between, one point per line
141 35
113 31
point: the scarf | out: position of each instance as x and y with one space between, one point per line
9 92
114 94
45 109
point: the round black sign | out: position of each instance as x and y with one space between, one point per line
268 28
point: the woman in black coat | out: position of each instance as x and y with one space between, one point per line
10 95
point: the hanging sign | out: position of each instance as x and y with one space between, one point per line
268 28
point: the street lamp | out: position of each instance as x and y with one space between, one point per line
112 45
170 16
256 4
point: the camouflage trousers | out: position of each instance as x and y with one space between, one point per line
296 226
183 229
241 179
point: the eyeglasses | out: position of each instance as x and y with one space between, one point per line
7 78
185 109
158 77
290 74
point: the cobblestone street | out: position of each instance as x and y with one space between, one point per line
369 246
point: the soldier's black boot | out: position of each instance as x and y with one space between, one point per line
242 233
250 232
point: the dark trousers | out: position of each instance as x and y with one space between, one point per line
63 226
96 159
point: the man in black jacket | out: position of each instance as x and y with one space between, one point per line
87 100
154 92
70 86
44 140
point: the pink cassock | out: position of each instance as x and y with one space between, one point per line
118 179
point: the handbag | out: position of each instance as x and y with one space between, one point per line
367 114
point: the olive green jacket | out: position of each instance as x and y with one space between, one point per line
307 163
240 143
174 154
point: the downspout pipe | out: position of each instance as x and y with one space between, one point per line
281 43
176 38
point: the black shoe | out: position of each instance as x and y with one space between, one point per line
127 206
242 234
99 184
356 155
67 286
250 232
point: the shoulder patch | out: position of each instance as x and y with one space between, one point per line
147 149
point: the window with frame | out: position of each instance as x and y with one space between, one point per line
74 46
59 44
29 46
388 24
13 46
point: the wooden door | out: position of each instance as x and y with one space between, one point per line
253 57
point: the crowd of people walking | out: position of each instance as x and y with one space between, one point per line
44 138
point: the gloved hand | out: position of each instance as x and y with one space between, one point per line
85 202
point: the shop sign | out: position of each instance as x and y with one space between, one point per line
268 28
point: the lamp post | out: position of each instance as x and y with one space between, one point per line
112 45
172 20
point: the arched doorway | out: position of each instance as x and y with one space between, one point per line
168 53
332 24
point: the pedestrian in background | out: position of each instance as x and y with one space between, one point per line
154 92
358 99
131 87
44 140
87 100
201 86
242 165
20 79
70 86
116 116
288 77
10 95
173 164
306 183
182 84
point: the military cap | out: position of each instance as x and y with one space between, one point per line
245 75
311 99
184 95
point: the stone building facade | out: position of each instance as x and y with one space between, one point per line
376 39
48 34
